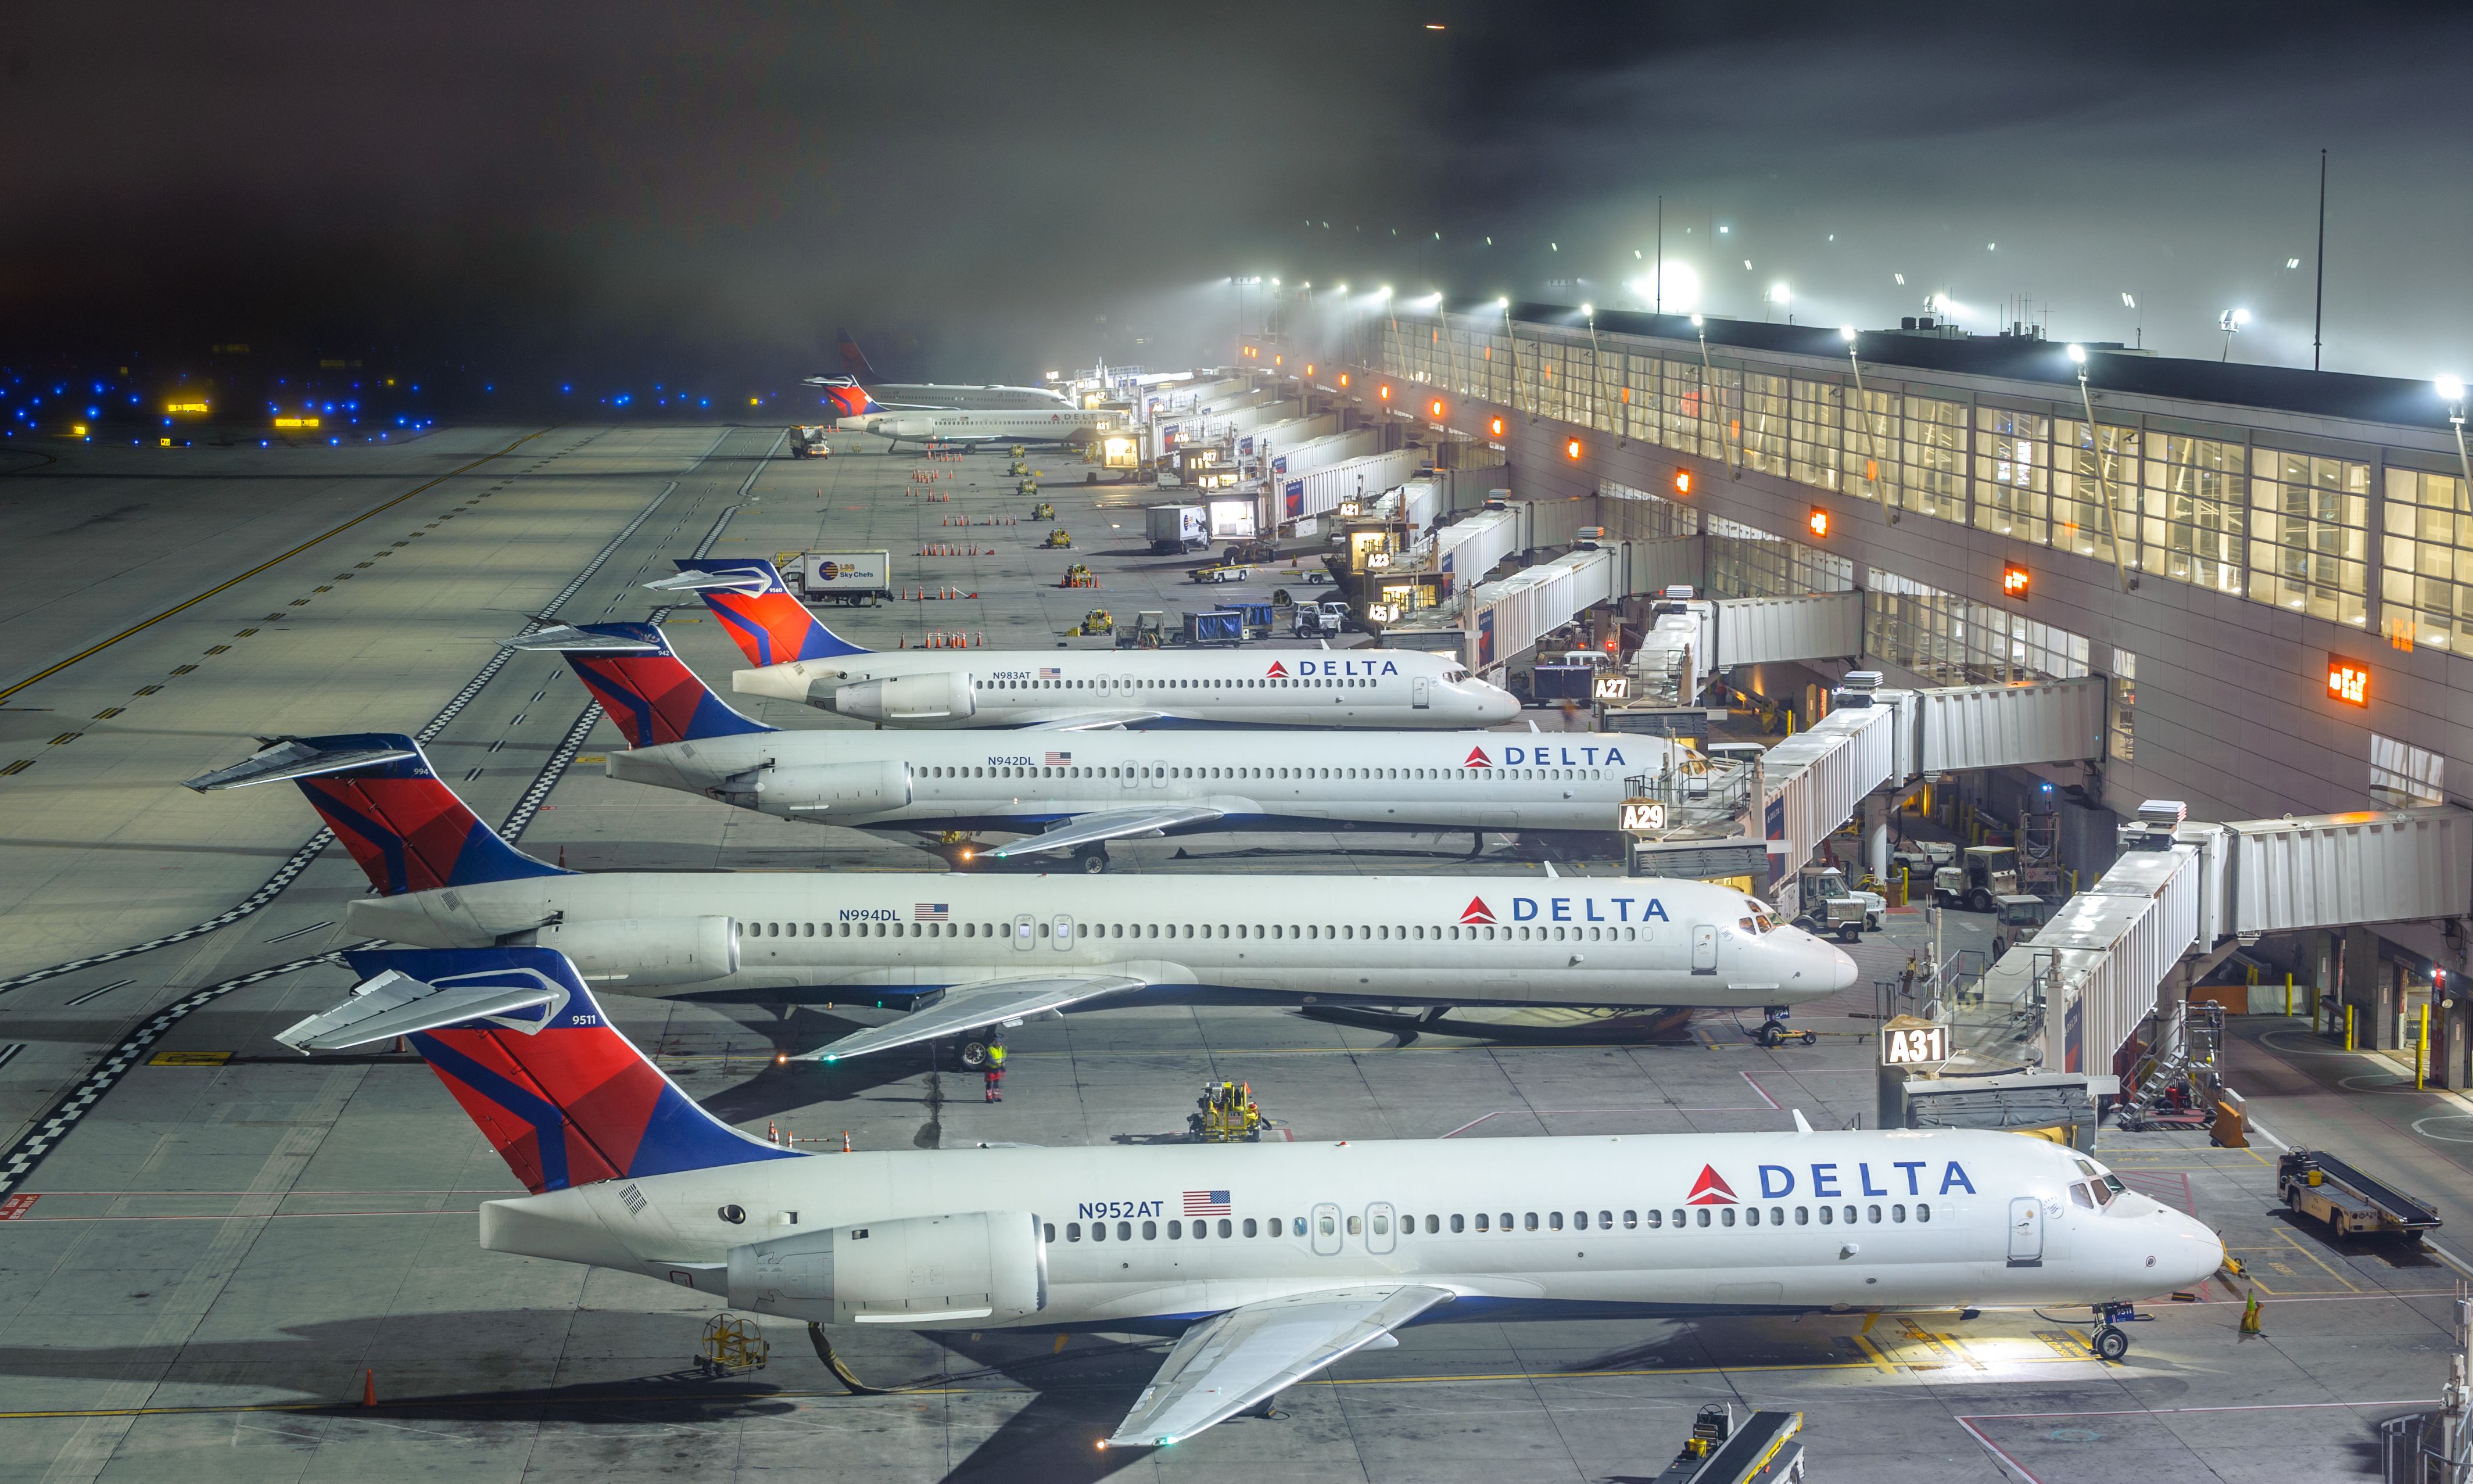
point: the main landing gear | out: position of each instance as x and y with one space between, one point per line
1773 1032
2111 1341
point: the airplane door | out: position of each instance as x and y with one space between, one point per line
1023 930
2026 1231
1133 778
1159 774
1064 934
1704 947
1326 1230
1379 1237
1423 693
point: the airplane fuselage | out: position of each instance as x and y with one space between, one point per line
1400 688
1151 1238
1418 781
982 425
823 937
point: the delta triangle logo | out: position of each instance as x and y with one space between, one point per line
1710 1189
1277 672
1476 758
1476 911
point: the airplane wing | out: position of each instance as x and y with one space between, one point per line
1091 721
1105 825
969 1007
1237 1360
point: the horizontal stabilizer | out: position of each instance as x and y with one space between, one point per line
698 580
284 758
567 638
396 1004
970 1007
1237 1360
1107 825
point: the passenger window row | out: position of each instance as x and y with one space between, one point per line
1112 770
1134 683
1509 1221
1312 931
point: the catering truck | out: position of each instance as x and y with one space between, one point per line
847 577
1177 528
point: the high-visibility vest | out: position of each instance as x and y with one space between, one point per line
996 1056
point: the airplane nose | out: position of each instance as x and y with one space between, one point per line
1843 972
2201 1247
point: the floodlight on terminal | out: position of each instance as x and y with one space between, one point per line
1384 292
1846 333
2077 353
1589 310
1695 322
2450 389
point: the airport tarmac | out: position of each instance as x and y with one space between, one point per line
225 1239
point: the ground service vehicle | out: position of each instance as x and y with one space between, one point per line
1217 626
1221 572
1831 909
1149 631
1058 539
1984 873
1176 529
811 443
849 578
1326 619
1922 857
1097 621
1258 551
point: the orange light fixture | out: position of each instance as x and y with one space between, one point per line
1384 393
1436 409
1495 427
1817 522
1343 378
2349 681
1572 449
2013 580
1683 481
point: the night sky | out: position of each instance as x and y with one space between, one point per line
619 190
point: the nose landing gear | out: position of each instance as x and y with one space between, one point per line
2111 1341
1773 1032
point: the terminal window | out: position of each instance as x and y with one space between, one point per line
2194 511
2311 548
2403 776
2121 725
2426 585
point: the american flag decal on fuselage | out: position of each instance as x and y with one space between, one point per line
1059 759
928 912
1206 1203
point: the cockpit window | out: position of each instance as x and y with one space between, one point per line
1760 921
2104 1183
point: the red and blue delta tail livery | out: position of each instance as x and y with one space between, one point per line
851 402
562 1096
378 794
649 692
759 610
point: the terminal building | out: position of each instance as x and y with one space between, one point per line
2267 573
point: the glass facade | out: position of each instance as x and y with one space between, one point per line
1648 516
2309 537
1951 641
2426 573
1745 561
2207 507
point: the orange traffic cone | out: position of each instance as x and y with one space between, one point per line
846 1148
369 1388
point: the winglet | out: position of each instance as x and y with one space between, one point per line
1802 1125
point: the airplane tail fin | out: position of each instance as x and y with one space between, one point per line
647 690
563 1097
849 400
853 360
378 794
752 605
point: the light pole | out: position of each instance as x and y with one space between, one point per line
1871 434
1597 368
1725 449
2451 391
1511 341
2102 482
2231 325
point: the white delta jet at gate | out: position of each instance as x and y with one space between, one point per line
1106 785
966 952
1269 1262
799 658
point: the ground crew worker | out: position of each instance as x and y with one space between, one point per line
996 1072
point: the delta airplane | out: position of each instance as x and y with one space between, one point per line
799 658
1269 1262
968 952
1107 785
858 381
1039 425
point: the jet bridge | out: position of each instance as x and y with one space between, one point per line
2073 995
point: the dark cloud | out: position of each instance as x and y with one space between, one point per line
988 190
